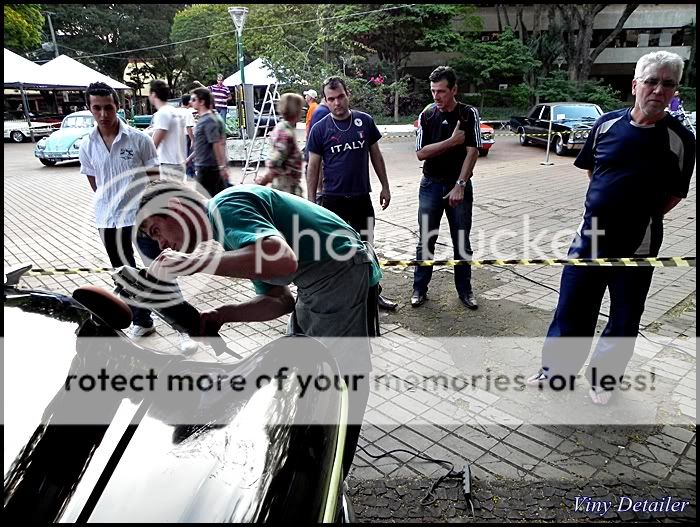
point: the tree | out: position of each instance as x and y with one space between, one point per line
23 25
485 62
394 34
293 52
97 29
578 23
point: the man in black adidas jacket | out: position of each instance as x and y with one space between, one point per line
447 141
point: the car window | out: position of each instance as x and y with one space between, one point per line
546 113
573 111
535 112
85 121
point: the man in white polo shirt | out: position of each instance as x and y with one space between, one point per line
169 133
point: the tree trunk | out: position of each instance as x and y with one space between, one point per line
505 15
396 92
578 51
522 30
498 18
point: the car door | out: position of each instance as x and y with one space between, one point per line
541 126
532 118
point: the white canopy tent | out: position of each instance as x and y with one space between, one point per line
256 73
65 72
18 70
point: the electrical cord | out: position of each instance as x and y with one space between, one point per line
430 497
605 315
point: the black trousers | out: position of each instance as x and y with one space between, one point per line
210 178
117 242
356 211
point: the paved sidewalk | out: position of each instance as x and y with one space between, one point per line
49 222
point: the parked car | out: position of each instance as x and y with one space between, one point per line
571 123
246 457
17 130
144 121
487 137
63 144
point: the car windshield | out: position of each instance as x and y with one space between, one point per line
84 121
576 112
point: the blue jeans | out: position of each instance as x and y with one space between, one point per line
222 112
431 206
581 294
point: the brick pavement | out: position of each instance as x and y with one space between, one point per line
48 221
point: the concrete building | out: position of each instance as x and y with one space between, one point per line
651 27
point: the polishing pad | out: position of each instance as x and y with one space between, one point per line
109 307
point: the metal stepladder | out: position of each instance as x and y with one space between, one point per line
255 146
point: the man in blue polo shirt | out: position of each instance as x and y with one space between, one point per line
345 141
639 162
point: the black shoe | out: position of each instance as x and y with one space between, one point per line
418 299
385 303
469 300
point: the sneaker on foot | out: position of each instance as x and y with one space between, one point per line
187 345
537 379
135 331
600 396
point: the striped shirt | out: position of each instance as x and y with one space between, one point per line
221 95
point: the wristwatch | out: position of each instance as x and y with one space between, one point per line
461 183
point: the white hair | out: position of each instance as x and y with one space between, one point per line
660 59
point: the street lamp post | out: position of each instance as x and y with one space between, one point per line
238 15
245 107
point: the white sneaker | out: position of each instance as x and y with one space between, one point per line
135 331
187 345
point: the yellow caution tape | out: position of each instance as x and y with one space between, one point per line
661 261
665 261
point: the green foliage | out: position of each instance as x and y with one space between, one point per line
22 27
95 29
487 62
557 87
688 96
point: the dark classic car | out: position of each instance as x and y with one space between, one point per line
570 124
131 453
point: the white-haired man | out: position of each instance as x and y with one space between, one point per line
639 161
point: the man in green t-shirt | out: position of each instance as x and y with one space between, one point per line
275 239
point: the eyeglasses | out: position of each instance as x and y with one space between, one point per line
653 82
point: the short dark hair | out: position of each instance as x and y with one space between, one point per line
204 95
185 100
101 89
161 89
155 197
334 83
444 73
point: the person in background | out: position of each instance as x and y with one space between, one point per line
169 132
284 163
221 96
209 145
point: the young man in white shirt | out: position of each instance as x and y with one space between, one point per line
119 162
169 134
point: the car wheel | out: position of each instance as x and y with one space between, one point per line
483 153
47 162
524 141
17 136
559 147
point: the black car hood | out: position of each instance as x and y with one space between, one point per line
210 458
